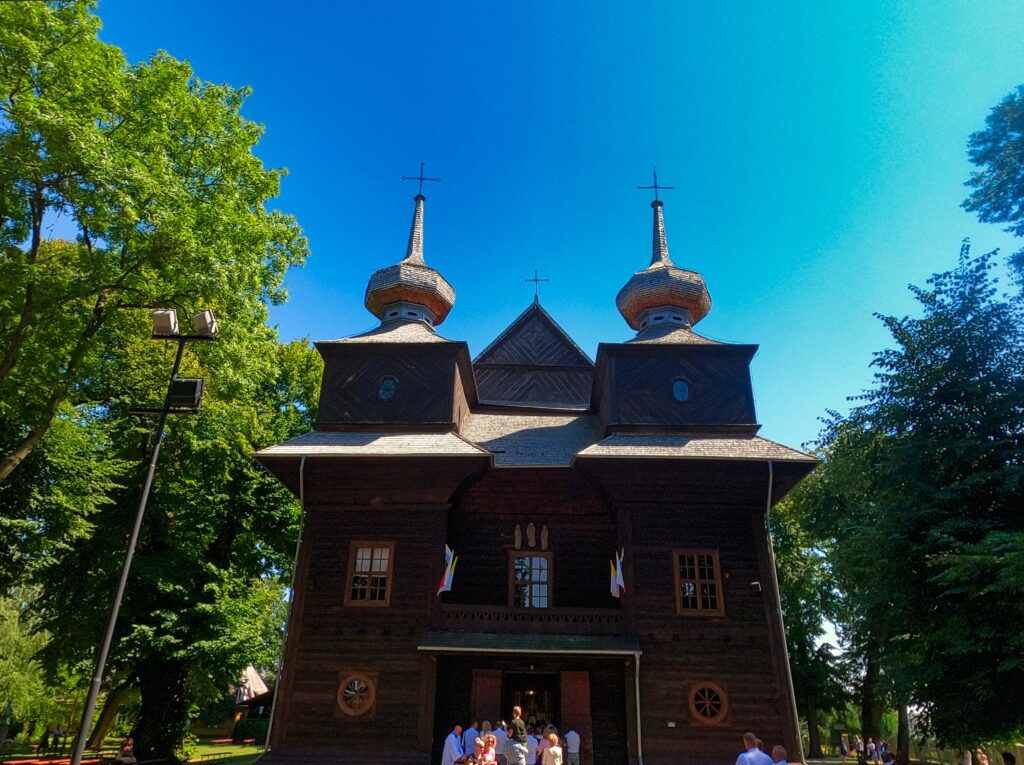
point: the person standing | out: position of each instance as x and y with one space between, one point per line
779 755
469 737
531 747
517 738
752 755
502 742
452 747
572 747
552 752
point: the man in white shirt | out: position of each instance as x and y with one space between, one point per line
502 737
572 747
531 747
452 746
470 736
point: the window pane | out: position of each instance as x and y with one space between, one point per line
687 569
380 559
688 595
359 585
706 566
378 588
363 555
709 597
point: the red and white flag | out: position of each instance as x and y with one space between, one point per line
450 559
617 584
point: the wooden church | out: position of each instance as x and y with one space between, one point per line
553 478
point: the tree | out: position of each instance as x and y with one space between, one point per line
810 596
154 170
998 187
204 598
921 493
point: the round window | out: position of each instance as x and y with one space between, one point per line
388 388
680 389
356 694
708 703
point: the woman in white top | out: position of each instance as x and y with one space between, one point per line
553 753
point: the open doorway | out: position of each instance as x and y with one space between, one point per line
539 694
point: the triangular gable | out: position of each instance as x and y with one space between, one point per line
534 338
534 363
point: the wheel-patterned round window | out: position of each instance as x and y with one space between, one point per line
356 694
708 703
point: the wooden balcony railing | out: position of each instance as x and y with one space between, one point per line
552 621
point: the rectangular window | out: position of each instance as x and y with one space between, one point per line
369 573
530 579
698 582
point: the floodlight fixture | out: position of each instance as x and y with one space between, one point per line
204 324
165 322
185 393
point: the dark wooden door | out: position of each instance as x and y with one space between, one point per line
485 699
576 711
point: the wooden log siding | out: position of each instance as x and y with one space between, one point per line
698 507
333 638
581 531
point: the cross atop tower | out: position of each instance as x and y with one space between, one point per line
421 177
656 186
536 285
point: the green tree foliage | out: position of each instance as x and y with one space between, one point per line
809 596
997 194
22 680
920 504
154 171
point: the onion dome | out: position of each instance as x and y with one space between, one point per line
663 293
410 290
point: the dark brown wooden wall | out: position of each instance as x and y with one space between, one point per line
352 374
333 638
637 382
667 507
581 531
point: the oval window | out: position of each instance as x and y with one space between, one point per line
356 694
708 703
388 388
680 389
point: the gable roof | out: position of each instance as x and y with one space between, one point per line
534 363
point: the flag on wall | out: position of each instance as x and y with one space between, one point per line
450 559
617 584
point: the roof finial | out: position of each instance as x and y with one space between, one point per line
659 255
536 285
656 186
421 177
414 251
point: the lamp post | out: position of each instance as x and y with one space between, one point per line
183 397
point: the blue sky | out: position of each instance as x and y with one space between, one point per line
817 150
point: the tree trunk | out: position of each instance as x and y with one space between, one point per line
163 714
870 705
813 734
107 716
903 736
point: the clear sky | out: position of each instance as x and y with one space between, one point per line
817 149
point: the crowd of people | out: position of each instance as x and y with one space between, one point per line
511 743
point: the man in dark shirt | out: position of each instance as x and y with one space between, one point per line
517 738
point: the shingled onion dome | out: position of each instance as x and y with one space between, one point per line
663 293
410 290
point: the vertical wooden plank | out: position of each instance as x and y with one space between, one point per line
629 683
428 685
485 698
575 692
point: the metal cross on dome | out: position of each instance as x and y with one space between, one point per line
421 177
656 186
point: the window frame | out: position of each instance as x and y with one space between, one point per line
350 573
699 611
546 555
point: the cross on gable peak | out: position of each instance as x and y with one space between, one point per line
656 186
536 285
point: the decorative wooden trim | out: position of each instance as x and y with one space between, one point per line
350 572
702 696
700 610
529 553
368 699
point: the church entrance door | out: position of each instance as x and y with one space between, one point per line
538 693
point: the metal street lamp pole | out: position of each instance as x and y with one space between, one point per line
108 636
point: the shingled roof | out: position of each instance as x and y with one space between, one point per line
533 440
696 447
360 444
